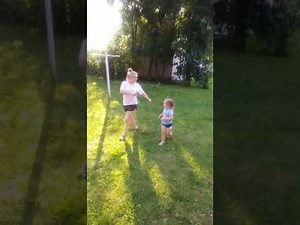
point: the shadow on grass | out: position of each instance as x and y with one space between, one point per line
38 165
139 183
102 138
190 195
255 162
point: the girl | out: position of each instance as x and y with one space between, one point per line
130 89
166 120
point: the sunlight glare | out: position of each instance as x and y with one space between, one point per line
159 184
193 164
103 21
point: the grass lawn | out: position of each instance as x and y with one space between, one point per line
256 137
138 181
42 140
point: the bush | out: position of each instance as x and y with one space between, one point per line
195 72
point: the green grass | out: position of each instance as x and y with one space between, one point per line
138 181
24 86
256 134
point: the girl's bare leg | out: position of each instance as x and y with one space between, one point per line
127 120
133 121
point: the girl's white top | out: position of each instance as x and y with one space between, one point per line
134 88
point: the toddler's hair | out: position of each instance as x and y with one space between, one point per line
170 102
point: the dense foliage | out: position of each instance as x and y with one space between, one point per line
159 30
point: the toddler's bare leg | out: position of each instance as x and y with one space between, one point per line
162 135
170 132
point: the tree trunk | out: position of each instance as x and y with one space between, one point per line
240 10
149 74
163 71
156 69
133 38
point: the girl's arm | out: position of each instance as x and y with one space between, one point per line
146 97
143 93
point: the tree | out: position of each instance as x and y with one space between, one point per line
194 42
150 29
157 29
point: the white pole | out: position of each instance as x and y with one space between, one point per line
107 74
106 56
50 37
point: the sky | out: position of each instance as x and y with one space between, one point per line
103 21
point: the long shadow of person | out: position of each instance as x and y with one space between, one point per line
102 138
143 195
189 193
38 165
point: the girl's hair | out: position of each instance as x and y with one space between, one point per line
170 102
129 72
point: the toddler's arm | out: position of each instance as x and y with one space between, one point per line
167 118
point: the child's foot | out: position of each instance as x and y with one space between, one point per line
136 129
161 143
122 138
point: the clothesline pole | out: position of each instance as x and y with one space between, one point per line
107 75
106 57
